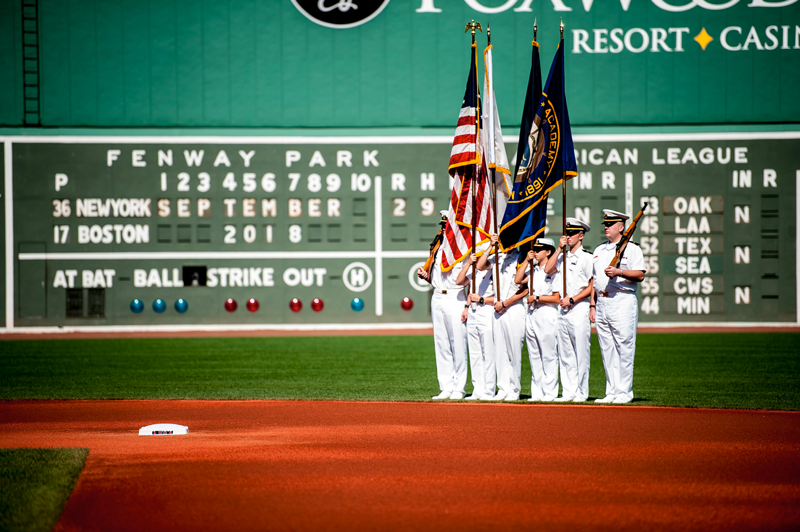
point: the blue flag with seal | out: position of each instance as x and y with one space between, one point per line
546 160
510 233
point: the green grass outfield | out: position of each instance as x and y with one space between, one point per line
735 370
36 484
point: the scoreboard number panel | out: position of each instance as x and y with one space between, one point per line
95 223
719 234
101 222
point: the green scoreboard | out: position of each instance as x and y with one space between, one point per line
237 232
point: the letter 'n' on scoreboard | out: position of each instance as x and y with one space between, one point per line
143 232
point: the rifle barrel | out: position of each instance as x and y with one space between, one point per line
626 236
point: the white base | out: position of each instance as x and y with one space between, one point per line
163 429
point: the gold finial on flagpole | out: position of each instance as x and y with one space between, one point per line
472 25
562 29
534 29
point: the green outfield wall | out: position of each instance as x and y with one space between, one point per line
206 151
282 63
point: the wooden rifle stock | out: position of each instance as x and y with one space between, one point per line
626 237
437 241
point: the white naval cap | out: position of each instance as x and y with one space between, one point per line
573 224
614 216
444 213
544 243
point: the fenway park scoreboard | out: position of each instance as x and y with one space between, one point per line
287 231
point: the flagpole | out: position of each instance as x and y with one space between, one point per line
494 180
472 25
530 276
563 196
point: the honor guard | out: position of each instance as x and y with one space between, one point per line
478 313
509 323
449 332
540 323
616 315
574 329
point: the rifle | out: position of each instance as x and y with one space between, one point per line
626 237
437 241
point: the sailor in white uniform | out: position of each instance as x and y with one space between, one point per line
574 328
449 332
509 323
540 323
616 315
478 313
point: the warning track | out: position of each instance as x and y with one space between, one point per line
70 334
299 465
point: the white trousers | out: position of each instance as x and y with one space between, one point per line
616 319
509 334
574 336
450 341
480 334
540 332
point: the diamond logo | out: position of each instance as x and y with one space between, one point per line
703 39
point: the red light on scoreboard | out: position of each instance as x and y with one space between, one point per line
317 304
231 305
252 304
296 305
407 303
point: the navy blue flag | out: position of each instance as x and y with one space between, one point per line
532 98
544 161
510 234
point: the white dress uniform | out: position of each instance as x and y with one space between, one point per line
509 331
540 333
574 327
480 335
449 332
616 318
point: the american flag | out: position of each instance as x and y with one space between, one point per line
465 159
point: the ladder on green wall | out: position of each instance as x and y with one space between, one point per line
30 69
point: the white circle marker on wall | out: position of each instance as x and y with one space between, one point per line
357 277
415 282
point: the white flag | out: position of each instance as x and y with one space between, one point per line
494 149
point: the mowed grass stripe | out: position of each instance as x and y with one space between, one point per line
36 484
760 371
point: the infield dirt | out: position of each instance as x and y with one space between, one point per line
299 465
